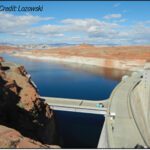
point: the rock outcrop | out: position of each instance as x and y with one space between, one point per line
10 138
23 115
9 49
130 58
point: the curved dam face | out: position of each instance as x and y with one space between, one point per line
141 106
127 120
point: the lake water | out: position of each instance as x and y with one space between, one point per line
76 130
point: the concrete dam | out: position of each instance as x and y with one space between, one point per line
126 111
127 120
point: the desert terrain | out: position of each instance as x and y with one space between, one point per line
84 50
119 57
8 49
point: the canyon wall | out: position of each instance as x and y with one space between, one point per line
131 65
25 120
120 57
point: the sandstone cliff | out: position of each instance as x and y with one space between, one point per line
9 49
119 57
25 120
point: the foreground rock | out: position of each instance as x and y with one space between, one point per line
10 138
23 115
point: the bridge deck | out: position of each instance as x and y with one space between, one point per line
76 105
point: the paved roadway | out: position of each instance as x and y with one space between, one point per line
76 105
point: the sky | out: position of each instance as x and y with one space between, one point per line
76 22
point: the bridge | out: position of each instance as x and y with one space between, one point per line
76 105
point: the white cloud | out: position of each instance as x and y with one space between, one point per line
88 26
27 28
10 23
113 16
81 22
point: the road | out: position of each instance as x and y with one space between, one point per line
76 105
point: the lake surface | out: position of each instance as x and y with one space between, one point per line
76 130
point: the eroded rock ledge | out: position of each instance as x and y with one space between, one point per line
25 120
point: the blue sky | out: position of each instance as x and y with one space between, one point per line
114 22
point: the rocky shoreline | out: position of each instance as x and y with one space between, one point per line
25 120
130 65
129 58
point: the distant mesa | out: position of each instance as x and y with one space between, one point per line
85 45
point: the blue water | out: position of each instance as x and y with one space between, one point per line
76 130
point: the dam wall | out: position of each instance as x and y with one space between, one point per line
127 119
140 105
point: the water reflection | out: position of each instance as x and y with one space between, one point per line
110 73
113 74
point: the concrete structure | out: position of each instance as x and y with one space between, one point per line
127 120
75 105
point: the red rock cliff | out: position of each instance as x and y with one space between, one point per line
23 115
